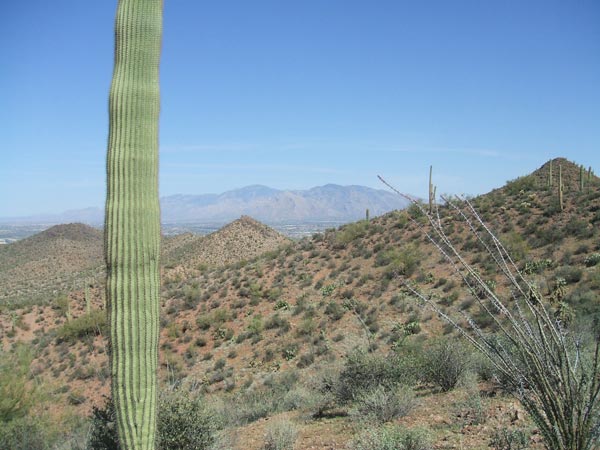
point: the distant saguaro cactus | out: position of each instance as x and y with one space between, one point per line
560 188
132 221
432 190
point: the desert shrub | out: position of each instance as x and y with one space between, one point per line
103 428
184 423
445 363
90 324
280 435
402 261
392 437
382 405
510 439
364 370
537 266
335 311
516 245
26 433
592 260
17 394
570 274
350 233
520 185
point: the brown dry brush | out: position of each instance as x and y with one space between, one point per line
553 371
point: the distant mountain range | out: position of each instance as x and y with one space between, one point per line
323 203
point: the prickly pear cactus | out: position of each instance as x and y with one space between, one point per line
132 222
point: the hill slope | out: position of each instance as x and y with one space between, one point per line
242 239
55 260
64 258
260 329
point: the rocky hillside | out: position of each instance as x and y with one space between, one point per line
65 258
242 239
56 260
265 336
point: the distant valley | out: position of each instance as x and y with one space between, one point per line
295 213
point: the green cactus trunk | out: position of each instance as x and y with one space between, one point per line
560 188
132 222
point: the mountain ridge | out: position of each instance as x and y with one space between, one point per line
266 204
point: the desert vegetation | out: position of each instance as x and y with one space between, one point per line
323 342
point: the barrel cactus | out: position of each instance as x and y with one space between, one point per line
132 222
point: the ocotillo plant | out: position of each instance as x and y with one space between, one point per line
132 222
553 371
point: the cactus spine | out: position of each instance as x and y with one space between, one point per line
560 188
132 221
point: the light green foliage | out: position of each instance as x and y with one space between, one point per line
399 261
520 185
281 435
510 439
26 433
445 363
516 245
17 394
350 233
132 224
184 423
392 437
381 405
89 324
364 371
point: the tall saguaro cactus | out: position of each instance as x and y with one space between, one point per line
132 222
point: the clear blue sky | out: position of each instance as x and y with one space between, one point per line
293 94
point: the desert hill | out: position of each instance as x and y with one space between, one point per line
55 260
65 258
242 239
257 335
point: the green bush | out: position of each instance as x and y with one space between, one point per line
403 261
184 423
25 433
103 429
363 370
350 232
592 259
510 439
381 405
281 435
520 185
90 324
392 437
17 395
445 363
